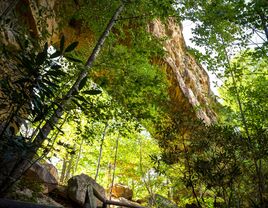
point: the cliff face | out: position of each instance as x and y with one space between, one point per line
21 22
190 88
189 91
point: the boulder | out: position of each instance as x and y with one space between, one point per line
61 191
80 185
120 190
22 194
60 195
43 199
52 170
39 173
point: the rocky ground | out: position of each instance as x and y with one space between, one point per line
40 185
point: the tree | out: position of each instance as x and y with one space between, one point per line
251 75
53 120
251 82
223 29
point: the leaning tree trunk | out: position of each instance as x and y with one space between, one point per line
25 162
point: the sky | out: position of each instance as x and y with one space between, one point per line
187 33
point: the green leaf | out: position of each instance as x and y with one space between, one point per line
56 54
46 90
49 83
45 47
55 73
92 92
81 98
71 47
58 128
73 59
55 66
58 105
37 104
82 83
39 117
76 102
62 41
40 58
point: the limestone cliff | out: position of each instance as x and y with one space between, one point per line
189 91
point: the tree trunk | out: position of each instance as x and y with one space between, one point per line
115 158
100 153
24 163
264 24
190 174
147 185
63 170
109 175
258 169
42 135
78 156
70 165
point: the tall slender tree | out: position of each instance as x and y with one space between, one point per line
23 164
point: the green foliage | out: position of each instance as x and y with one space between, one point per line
225 27
132 78
229 161
251 77
125 67
220 165
128 164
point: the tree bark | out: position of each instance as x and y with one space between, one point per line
63 170
188 166
115 158
78 156
110 202
264 24
23 163
147 185
70 165
100 153
75 88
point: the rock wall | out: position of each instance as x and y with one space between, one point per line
23 22
189 91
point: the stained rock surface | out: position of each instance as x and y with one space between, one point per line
45 174
78 188
120 190
190 86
